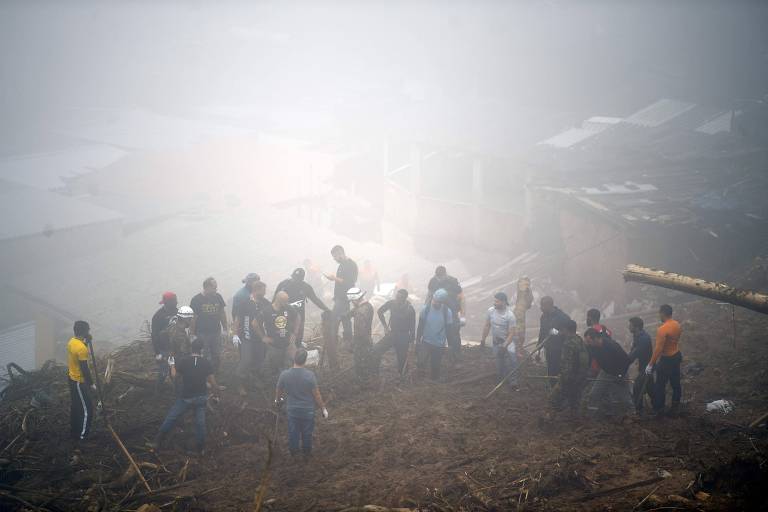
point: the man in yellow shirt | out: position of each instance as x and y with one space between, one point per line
666 359
80 383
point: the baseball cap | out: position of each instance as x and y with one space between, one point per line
251 277
167 296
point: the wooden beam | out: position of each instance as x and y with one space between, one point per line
717 291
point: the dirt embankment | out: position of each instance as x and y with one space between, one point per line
415 444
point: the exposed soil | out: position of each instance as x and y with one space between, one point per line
416 444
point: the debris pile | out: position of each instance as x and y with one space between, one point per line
402 445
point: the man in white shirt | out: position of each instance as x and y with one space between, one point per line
500 323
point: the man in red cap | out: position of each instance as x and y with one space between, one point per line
160 340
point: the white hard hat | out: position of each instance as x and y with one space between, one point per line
355 293
185 312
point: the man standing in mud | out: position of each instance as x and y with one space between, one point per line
454 301
666 359
247 316
161 342
400 331
574 368
641 349
210 318
549 336
431 336
278 329
299 292
344 279
362 343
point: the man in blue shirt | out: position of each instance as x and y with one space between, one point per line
299 386
435 321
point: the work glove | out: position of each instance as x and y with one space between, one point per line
462 321
93 387
171 361
99 406
236 340
554 332
158 357
325 413
649 369
192 338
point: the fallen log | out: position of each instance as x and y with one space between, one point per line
717 291
614 490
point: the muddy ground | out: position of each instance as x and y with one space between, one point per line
415 444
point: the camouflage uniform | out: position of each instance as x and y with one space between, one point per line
179 338
366 364
574 366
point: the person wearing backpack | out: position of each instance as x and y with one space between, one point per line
435 321
574 367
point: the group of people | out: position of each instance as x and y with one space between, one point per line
573 361
268 334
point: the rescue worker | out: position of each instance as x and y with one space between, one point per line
641 349
500 323
297 386
593 321
369 278
210 318
196 374
610 392
179 329
666 359
344 279
246 319
298 292
549 335
243 296
80 382
455 301
435 321
159 332
574 369
361 312
400 331
278 328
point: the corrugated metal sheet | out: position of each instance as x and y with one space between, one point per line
17 345
40 212
659 113
48 171
720 124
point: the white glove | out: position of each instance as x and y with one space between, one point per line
649 369
462 321
325 413
554 332
158 357
192 338
236 340
99 406
171 361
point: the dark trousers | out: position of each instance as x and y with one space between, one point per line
553 360
300 428
81 410
340 310
432 355
399 341
212 348
453 334
667 370
643 386
197 404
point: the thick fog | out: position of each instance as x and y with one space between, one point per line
145 146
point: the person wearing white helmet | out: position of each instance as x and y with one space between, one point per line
435 321
361 313
179 331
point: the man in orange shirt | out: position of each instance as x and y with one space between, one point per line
666 360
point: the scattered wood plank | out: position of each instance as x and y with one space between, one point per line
762 418
614 490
